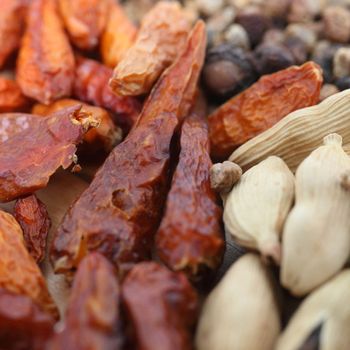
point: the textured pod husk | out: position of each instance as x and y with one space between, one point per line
299 133
316 236
322 321
257 206
241 312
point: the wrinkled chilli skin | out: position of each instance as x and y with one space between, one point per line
19 273
118 35
23 325
93 319
161 37
12 18
190 237
11 97
14 123
105 137
161 307
120 211
91 85
30 157
34 220
263 105
84 21
45 65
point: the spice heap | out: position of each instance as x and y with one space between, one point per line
140 99
250 38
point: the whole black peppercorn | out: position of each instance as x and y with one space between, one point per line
297 48
323 54
343 83
270 58
227 71
254 22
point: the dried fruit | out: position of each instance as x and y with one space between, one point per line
106 136
84 20
322 320
162 35
190 237
11 97
298 134
45 65
12 17
92 319
252 324
318 225
161 306
30 157
118 36
227 71
257 206
130 187
91 85
262 105
34 220
23 325
19 273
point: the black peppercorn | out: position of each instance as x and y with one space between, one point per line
343 83
323 55
269 58
298 49
254 22
227 71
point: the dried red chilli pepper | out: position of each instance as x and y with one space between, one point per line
161 307
30 157
120 211
162 35
19 273
190 237
93 319
45 64
12 18
84 20
262 105
105 137
118 36
14 123
91 85
23 325
11 97
34 220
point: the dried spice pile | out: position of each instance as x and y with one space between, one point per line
174 175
